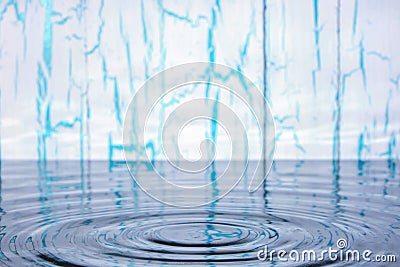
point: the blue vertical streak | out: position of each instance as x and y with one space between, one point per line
81 129
361 147
387 112
297 142
355 16
43 109
344 78
48 34
297 112
144 27
116 102
99 35
362 65
210 42
128 56
338 98
211 217
318 52
214 124
396 82
163 52
391 148
264 89
245 86
48 130
96 46
210 37
146 41
152 147
110 147
163 55
41 82
283 41
22 17
85 107
105 71
266 47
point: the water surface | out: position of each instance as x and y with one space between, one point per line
74 213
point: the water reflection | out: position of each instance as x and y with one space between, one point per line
92 214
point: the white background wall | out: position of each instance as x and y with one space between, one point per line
68 70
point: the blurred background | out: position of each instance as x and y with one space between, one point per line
330 70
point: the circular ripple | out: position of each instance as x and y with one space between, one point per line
68 229
173 237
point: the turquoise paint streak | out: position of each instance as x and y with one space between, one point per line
117 105
48 34
43 108
317 29
387 114
48 128
337 112
355 18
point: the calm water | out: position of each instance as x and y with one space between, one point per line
92 214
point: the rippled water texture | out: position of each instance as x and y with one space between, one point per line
92 214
